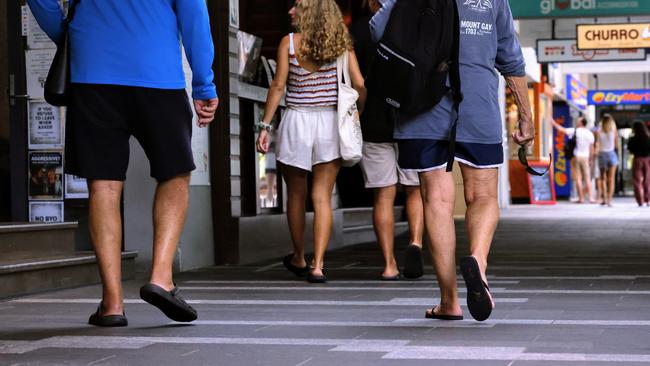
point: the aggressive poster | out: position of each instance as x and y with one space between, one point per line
45 175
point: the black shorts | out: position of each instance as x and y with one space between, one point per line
102 118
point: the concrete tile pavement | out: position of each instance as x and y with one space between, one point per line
571 282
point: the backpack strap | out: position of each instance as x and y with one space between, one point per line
292 50
454 78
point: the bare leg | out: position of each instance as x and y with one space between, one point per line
384 223
588 188
106 234
321 195
415 215
600 190
611 184
297 194
438 196
169 213
578 179
482 217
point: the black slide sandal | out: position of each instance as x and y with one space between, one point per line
433 315
479 301
169 302
397 277
300 272
107 320
413 262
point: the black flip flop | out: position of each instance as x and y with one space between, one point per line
479 301
169 302
311 278
100 320
433 315
397 277
413 262
300 272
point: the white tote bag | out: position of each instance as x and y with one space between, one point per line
350 138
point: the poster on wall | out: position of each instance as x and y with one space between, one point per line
37 63
75 187
234 13
200 139
36 37
45 131
46 212
45 175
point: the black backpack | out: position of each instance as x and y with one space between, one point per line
417 53
571 145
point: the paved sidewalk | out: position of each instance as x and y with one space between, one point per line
571 282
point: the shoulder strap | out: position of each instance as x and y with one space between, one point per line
342 69
292 50
71 10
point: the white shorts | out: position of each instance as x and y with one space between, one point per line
379 166
308 136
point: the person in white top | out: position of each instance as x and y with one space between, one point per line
607 143
583 156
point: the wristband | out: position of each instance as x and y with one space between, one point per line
265 126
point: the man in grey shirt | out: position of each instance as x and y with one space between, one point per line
488 41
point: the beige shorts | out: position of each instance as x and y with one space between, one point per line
308 136
581 169
379 166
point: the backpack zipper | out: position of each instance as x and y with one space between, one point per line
396 55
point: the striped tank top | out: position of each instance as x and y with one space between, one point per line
310 89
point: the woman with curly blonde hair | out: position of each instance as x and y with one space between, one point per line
308 139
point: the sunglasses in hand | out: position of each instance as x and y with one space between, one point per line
524 161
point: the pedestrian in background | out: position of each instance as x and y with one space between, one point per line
607 144
424 148
583 156
639 146
127 80
380 169
308 135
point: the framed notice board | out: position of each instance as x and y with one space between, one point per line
541 190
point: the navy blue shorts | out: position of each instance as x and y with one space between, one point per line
423 155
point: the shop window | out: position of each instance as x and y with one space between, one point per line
268 182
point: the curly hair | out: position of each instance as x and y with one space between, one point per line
324 35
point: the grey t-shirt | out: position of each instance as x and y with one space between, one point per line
488 40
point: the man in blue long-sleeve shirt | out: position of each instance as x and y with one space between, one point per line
487 41
127 80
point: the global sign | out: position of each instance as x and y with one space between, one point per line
619 97
577 8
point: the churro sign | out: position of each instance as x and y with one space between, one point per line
619 97
608 36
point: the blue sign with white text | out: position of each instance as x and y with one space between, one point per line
576 92
619 97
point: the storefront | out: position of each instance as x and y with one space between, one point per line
626 106
541 95
566 108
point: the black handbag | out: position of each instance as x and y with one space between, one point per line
57 84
